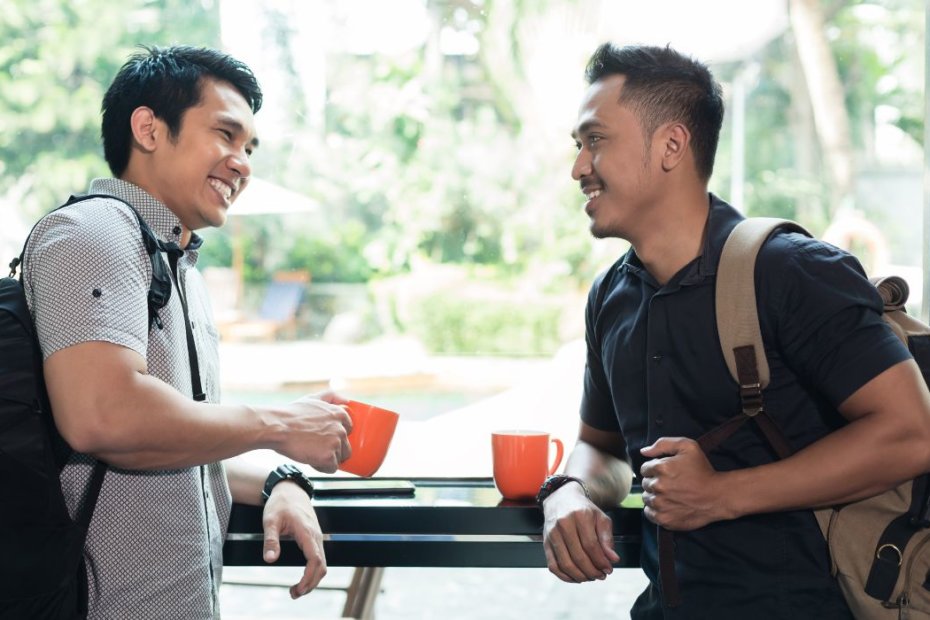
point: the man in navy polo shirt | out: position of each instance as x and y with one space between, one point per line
843 389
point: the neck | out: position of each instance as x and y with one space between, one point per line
676 238
141 180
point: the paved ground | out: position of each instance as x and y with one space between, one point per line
443 593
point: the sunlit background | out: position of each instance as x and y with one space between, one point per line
412 235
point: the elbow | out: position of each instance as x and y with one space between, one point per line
83 437
85 429
922 449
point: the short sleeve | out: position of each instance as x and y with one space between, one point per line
87 276
597 408
829 325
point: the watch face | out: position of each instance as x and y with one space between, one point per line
290 470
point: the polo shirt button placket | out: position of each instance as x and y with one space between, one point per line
656 359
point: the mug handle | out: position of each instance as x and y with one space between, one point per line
559 450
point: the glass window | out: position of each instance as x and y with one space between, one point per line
412 236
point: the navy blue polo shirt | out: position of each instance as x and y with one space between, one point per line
655 369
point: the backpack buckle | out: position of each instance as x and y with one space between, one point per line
750 395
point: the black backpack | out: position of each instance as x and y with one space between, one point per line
42 572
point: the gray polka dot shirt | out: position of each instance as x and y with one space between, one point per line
154 549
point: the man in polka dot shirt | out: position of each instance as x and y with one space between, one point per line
178 134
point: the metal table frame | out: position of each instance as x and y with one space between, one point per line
446 523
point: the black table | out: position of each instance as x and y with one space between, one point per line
446 522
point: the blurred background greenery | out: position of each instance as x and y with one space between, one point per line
433 151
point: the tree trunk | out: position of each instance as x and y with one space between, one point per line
827 99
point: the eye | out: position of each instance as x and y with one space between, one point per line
577 145
593 140
226 133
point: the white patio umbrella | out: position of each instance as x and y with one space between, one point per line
264 198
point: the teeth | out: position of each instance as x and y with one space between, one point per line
592 195
221 187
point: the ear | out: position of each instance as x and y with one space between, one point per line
145 128
675 139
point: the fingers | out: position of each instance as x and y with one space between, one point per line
319 433
576 550
668 446
311 544
272 547
553 564
330 396
605 536
346 449
314 571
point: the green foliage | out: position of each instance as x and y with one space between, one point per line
450 324
424 157
56 61
334 258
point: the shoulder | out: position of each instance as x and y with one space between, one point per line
93 221
95 233
787 254
98 213
607 280
795 271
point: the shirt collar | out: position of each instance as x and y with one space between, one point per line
156 214
721 219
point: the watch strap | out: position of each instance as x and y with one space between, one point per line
286 472
556 482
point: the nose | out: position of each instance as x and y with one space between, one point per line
582 165
240 163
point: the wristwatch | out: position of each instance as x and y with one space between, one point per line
553 483
286 472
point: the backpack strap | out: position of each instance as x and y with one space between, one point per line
158 295
739 331
737 314
160 285
741 342
744 352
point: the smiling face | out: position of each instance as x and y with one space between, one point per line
200 172
614 165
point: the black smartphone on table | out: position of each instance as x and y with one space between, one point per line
363 488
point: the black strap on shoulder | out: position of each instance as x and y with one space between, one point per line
196 387
158 295
160 286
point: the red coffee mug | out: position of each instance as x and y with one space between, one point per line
372 431
521 461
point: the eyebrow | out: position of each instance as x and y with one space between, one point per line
238 128
586 126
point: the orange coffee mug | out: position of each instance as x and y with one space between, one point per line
521 461
372 431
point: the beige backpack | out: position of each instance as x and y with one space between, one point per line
880 547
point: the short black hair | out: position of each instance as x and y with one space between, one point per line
169 81
662 85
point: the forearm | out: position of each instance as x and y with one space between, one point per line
607 477
246 480
152 426
144 423
860 460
